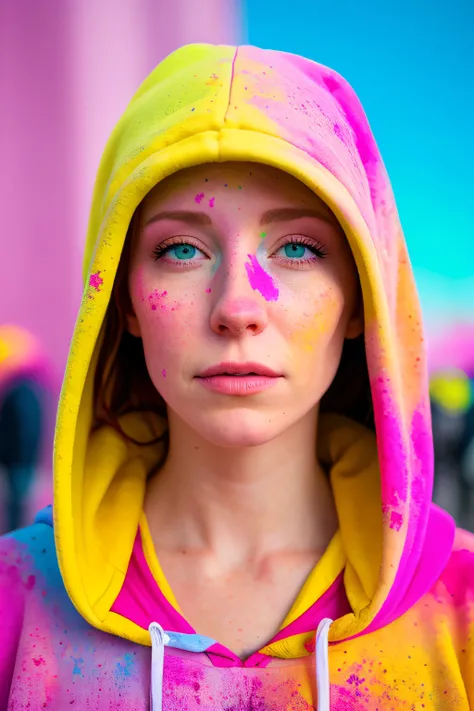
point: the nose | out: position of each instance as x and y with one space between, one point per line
239 310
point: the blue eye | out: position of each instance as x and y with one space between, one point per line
293 249
298 251
178 252
182 251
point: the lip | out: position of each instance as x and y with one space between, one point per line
239 378
242 369
240 385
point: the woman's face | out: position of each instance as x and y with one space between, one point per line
239 268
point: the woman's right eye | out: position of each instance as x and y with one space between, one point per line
178 252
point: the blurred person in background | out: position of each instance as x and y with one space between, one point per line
243 452
23 404
452 411
467 463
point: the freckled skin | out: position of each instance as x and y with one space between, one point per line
212 311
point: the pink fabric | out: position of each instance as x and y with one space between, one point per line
141 601
437 549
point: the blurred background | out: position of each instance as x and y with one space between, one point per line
67 71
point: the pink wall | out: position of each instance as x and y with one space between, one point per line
38 255
67 71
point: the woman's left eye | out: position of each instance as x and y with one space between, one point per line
301 251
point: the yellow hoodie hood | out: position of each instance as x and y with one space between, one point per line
216 103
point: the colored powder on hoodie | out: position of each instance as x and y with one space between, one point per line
80 588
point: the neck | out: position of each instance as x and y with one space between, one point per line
242 503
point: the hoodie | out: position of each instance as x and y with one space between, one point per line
385 619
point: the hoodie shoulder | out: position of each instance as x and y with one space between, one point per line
26 557
28 554
458 575
456 589
463 540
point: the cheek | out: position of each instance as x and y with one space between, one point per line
316 319
167 324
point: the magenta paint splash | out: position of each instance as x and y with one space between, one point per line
155 297
163 373
96 281
211 202
198 198
208 291
396 520
260 280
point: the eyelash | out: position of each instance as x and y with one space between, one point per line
318 249
162 248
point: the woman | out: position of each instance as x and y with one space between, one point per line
249 319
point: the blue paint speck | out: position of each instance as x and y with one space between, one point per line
77 669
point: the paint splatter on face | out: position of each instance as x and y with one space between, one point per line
156 299
163 373
260 280
268 260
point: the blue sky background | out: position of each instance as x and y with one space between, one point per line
411 63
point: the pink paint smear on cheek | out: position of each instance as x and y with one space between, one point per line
198 198
211 202
163 373
260 280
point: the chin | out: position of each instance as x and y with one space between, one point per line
238 429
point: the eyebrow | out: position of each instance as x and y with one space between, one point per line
285 214
280 214
190 216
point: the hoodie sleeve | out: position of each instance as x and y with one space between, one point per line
14 582
456 589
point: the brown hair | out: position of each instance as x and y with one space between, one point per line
121 382
349 393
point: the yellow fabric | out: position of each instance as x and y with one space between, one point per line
99 479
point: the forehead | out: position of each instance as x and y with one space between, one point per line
242 182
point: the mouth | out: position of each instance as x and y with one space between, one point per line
239 370
239 379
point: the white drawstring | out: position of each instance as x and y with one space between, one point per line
322 665
159 639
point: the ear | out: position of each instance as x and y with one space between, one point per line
133 326
355 325
124 306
